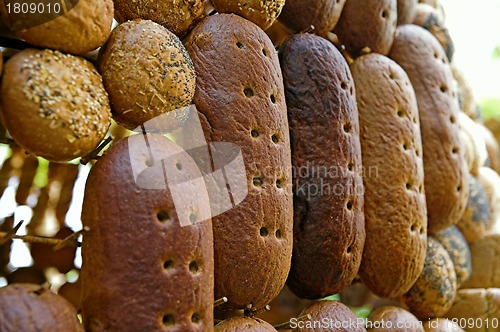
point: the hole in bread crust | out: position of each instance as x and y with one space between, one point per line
162 215
275 139
178 165
454 150
349 249
149 163
193 267
452 119
195 317
248 92
443 88
264 52
168 320
400 113
278 234
405 146
254 133
459 188
168 264
343 85
273 99
192 218
412 228
347 127
385 13
349 205
391 75
279 183
239 44
257 181
263 231
408 186
349 166
421 231
417 152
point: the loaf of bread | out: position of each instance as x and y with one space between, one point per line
44 255
162 81
441 325
474 145
322 15
244 324
446 181
368 26
490 181
457 247
485 255
177 16
143 271
253 241
478 308
476 219
328 189
433 293
262 13
329 316
407 10
54 105
399 319
395 210
465 93
492 147
80 30
30 308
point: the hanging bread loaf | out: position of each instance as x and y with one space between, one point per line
262 13
395 210
446 181
406 11
244 324
338 317
485 255
247 107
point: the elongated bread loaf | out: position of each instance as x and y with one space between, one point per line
395 210
326 156
446 179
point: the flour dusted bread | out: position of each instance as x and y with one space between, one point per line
406 11
32 308
262 13
54 105
253 241
323 15
338 316
446 181
143 271
485 255
395 210
244 324
326 156
401 320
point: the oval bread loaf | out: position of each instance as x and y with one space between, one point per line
401 320
433 293
244 324
445 174
485 257
253 241
262 13
406 11
300 15
368 26
441 325
141 270
395 210
490 181
328 190
28 307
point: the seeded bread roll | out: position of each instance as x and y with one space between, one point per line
338 316
65 109
476 219
262 13
441 325
401 320
30 308
395 210
368 26
162 81
244 324
323 15
143 271
485 255
445 173
177 16
247 107
82 29
481 306
326 155
435 290
457 247
406 11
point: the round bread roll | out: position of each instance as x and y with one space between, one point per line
262 13
30 308
477 310
337 316
435 290
473 140
244 324
485 257
300 15
407 9
80 30
146 71
368 26
399 319
492 147
490 180
65 109
441 325
177 16
466 96
457 247
476 219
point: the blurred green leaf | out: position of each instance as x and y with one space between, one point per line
335 297
42 173
362 312
490 108
496 53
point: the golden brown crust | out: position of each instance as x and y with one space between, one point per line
247 107
367 25
177 16
262 13
397 316
406 11
492 147
490 181
65 109
141 270
446 179
328 189
441 325
299 15
244 324
466 96
28 307
146 71
395 210
338 316
485 263
82 29
435 290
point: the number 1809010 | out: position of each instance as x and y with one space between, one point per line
33 8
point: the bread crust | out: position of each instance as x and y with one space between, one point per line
406 11
244 324
333 312
262 13
396 316
485 255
